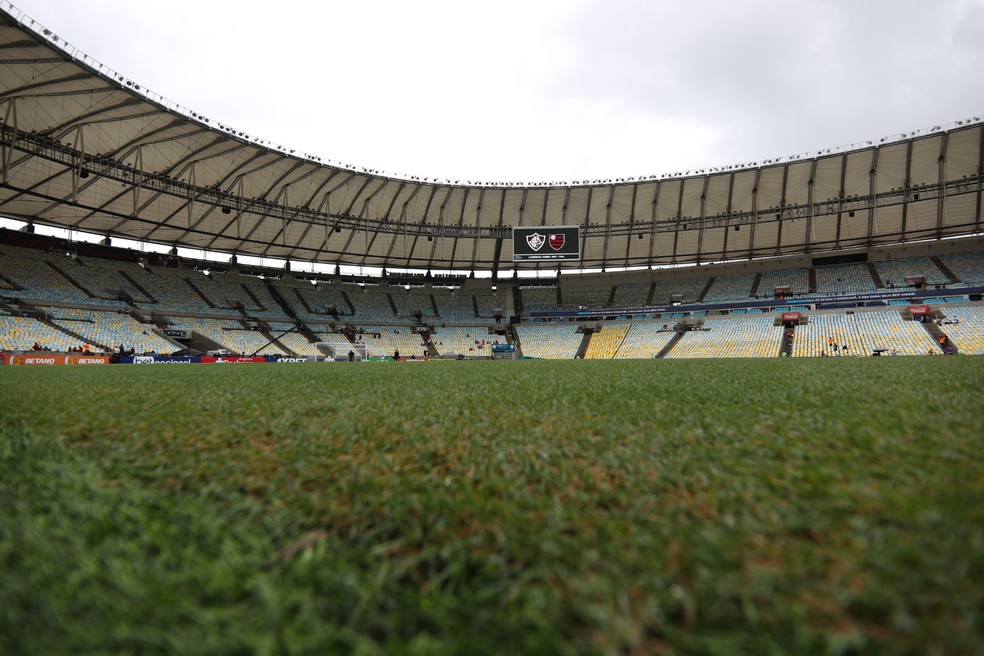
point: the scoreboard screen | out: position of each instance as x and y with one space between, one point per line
546 243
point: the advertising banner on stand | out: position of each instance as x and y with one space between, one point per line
35 359
158 359
231 359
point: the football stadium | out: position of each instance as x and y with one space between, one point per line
635 415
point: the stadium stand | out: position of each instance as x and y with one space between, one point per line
539 299
796 279
454 306
310 301
111 329
631 295
965 326
487 302
731 288
229 290
607 341
894 272
968 266
103 279
287 334
22 333
230 335
90 299
549 341
644 341
171 291
863 333
413 301
469 342
731 338
384 341
844 279
688 289
589 297
372 305
39 278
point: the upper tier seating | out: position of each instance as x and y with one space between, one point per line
372 305
894 272
488 302
39 277
736 287
539 299
797 279
173 293
589 297
688 289
313 301
454 306
102 278
844 279
631 295
411 301
968 266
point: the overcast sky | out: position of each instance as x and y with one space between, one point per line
540 90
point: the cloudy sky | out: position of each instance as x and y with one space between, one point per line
539 90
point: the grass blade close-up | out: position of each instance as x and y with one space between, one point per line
802 506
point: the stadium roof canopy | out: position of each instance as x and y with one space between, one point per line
84 148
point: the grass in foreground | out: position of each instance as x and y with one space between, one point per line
782 506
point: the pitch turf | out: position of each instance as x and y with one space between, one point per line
749 506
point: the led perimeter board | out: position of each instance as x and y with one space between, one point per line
547 243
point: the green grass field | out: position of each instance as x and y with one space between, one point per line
644 507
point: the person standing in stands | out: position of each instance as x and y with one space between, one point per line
396 355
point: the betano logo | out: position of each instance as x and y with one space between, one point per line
21 359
